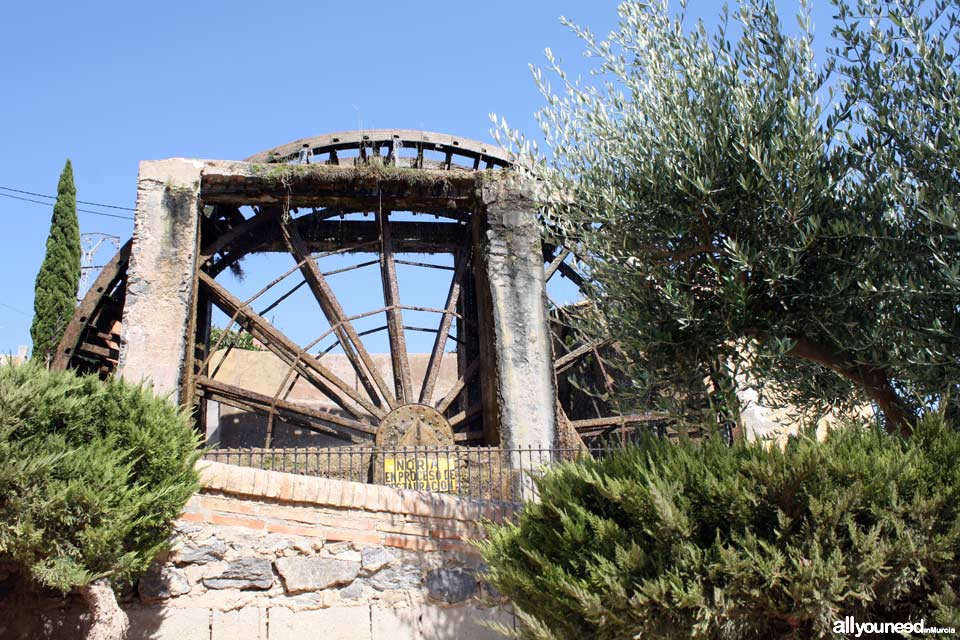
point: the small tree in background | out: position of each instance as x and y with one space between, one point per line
706 541
92 476
55 293
233 338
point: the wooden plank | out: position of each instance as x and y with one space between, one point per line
408 138
458 386
465 415
407 236
555 264
108 354
319 185
617 420
109 275
367 372
567 360
575 276
436 354
254 225
266 402
285 349
391 298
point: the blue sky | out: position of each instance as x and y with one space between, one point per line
110 83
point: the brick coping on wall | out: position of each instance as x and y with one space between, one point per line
286 503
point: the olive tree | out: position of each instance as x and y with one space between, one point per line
736 207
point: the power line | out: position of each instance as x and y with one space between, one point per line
94 204
3 304
50 204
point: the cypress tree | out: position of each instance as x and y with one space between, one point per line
55 291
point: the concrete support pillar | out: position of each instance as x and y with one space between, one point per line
518 386
157 320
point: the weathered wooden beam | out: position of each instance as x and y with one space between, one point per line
367 372
395 139
109 275
436 354
328 235
265 402
565 361
565 269
309 367
458 386
391 298
468 413
315 185
555 264
255 225
636 418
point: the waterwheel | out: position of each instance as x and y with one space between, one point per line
331 382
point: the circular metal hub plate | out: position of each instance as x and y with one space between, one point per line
414 425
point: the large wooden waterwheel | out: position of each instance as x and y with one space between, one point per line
402 388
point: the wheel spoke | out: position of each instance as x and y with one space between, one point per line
242 238
555 264
565 361
391 298
589 426
574 276
367 372
465 415
436 354
221 392
285 349
276 396
458 386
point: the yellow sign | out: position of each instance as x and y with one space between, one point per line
423 474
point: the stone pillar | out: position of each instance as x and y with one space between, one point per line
519 395
157 319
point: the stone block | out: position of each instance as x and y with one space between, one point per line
373 559
249 623
405 577
169 624
245 573
451 585
209 549
312 574
160 582
339 623
352 592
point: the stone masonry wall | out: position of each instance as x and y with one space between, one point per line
263 555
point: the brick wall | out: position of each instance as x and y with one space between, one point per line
264 555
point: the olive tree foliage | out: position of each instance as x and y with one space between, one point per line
736 207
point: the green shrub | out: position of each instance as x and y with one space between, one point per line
92 474
704 541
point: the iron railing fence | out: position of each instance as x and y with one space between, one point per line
488 473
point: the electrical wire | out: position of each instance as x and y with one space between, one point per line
7 306
94 204
50 204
